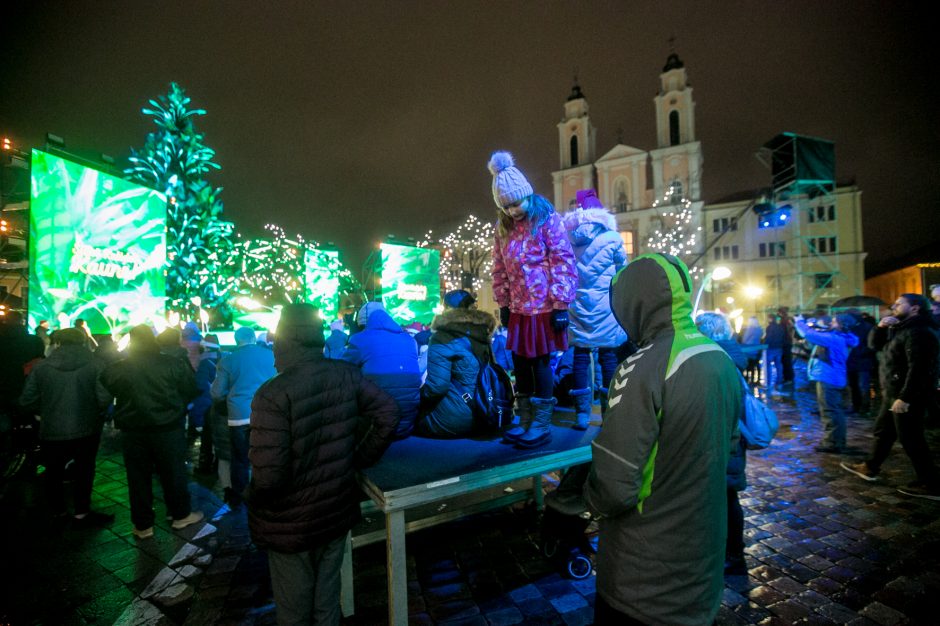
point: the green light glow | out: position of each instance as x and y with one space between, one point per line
97 247
411 285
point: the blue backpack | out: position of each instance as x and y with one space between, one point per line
760 423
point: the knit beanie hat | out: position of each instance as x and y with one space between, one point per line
337 325
587 199
362 318
509 184
458 299
245 335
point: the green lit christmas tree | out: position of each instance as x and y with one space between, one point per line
201 250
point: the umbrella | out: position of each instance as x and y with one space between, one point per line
859 301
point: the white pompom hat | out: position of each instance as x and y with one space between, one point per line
509 184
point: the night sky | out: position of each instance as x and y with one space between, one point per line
349 121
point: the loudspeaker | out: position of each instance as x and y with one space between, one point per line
801 161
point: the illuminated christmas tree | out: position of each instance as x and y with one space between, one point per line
200 244
466 254
677 233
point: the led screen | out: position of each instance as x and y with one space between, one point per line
411 282
97 248
321 280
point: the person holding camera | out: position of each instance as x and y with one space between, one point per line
827 368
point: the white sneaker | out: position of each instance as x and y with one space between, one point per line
189 520
146 533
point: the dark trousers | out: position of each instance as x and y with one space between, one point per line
734 545
607 357
787 360
860 388
307 585
165 452
909 429
55 456
534 377
606 615
238 435
829 398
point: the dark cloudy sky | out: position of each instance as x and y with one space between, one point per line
348 121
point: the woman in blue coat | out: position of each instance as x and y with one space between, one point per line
459 342
600 254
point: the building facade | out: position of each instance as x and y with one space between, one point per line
811 257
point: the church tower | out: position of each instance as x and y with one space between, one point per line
677 158
576 150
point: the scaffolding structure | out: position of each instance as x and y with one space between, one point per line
803 178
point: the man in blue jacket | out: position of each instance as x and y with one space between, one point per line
388 356
827 367
239 376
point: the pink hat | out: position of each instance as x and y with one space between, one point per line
587 199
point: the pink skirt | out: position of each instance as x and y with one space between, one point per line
532 335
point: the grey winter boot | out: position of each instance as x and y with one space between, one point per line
582 407
540 431
524 411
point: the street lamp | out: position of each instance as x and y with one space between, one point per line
719 273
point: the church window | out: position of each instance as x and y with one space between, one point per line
574 150
621 196
674 128
629 242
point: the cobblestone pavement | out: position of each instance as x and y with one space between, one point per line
824 547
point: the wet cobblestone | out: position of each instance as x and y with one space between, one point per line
823 547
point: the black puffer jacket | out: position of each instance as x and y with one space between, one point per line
909 362
66 392
312 426
152 390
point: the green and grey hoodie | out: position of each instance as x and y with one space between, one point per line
658 473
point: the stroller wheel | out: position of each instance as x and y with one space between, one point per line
579 567
550 547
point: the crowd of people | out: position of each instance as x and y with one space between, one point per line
285 426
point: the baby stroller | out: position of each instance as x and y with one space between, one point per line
564 523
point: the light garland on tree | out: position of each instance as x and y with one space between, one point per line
677 235
466 253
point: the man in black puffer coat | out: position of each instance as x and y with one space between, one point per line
312 426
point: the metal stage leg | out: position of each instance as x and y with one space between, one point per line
397 569
537 494
346 598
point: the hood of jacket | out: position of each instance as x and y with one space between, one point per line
602 217
478 325
69 358
380 320
652 295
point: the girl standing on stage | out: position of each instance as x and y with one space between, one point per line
534 281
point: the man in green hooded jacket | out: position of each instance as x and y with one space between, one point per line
657 480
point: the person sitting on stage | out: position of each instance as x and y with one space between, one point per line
388 356
459 343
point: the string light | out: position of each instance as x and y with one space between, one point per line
465 253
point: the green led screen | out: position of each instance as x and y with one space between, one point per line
321 281
411 282
97 248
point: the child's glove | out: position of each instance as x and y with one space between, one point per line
504 315
559 320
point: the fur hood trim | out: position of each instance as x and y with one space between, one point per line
453 318
575 218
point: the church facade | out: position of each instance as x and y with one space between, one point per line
809 260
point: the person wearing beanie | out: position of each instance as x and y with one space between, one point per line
534 282
600 254
336 342
152 391
460 341
239 376
827 368
388 356
312 427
